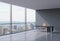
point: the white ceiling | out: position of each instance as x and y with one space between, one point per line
35 4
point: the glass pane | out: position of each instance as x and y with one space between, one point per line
18 23
4 21
31 18
31 15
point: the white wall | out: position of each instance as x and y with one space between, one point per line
51 17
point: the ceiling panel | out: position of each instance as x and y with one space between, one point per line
35 4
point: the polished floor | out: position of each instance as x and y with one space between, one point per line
33 35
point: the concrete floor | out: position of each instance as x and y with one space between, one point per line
33 35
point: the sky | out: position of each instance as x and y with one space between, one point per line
18 13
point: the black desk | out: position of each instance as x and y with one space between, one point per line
49 28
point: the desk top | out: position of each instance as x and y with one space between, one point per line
44 26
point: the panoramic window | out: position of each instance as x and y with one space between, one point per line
31 15
4 18
18 18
